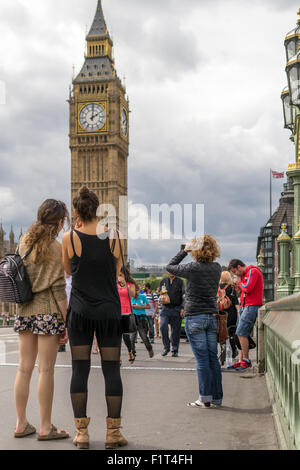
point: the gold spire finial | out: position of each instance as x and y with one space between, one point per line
283 226
298 15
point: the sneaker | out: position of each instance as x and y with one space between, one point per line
199 404
165 352
175 354
235 365
244 365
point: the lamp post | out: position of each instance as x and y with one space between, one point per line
291 111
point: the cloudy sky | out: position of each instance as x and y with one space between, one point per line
204 79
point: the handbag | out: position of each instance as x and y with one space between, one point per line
164 296
15 285
128 322
222 327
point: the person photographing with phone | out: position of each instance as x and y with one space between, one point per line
200 310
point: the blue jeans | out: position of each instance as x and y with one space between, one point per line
170 317
201 331
246 320
151 326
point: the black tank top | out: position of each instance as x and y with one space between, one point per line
94 292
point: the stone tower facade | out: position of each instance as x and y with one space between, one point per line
99 121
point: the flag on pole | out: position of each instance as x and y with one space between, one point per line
276 174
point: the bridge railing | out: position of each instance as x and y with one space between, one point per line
279 357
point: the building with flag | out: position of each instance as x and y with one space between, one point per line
267 245
276 174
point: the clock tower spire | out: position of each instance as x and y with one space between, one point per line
99 126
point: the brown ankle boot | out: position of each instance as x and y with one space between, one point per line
82 436
114 438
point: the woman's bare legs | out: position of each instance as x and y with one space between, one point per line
28 348
47 353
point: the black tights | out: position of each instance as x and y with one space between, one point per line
81 346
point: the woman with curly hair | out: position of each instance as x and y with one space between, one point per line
41 322
200 309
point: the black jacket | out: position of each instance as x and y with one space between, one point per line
202 284
175 291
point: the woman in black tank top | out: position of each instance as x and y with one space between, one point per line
94 260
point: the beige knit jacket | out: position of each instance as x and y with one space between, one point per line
47 283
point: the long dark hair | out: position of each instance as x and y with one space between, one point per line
127 274
46 229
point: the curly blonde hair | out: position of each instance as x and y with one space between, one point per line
209 252
46 229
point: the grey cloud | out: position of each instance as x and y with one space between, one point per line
194 163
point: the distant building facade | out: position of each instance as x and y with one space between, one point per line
145 272
7 246
267 245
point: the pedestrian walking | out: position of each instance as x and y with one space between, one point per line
40 323
200 307
92 256
127 290
171 312
139 306
152 312
157 316
251 285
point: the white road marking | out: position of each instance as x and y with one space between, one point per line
9 336
63 366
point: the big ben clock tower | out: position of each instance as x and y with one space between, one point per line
99 125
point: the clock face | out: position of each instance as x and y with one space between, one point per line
92 117
124 122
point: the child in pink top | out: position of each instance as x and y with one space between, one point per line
125 298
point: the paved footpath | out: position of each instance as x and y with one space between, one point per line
155 415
